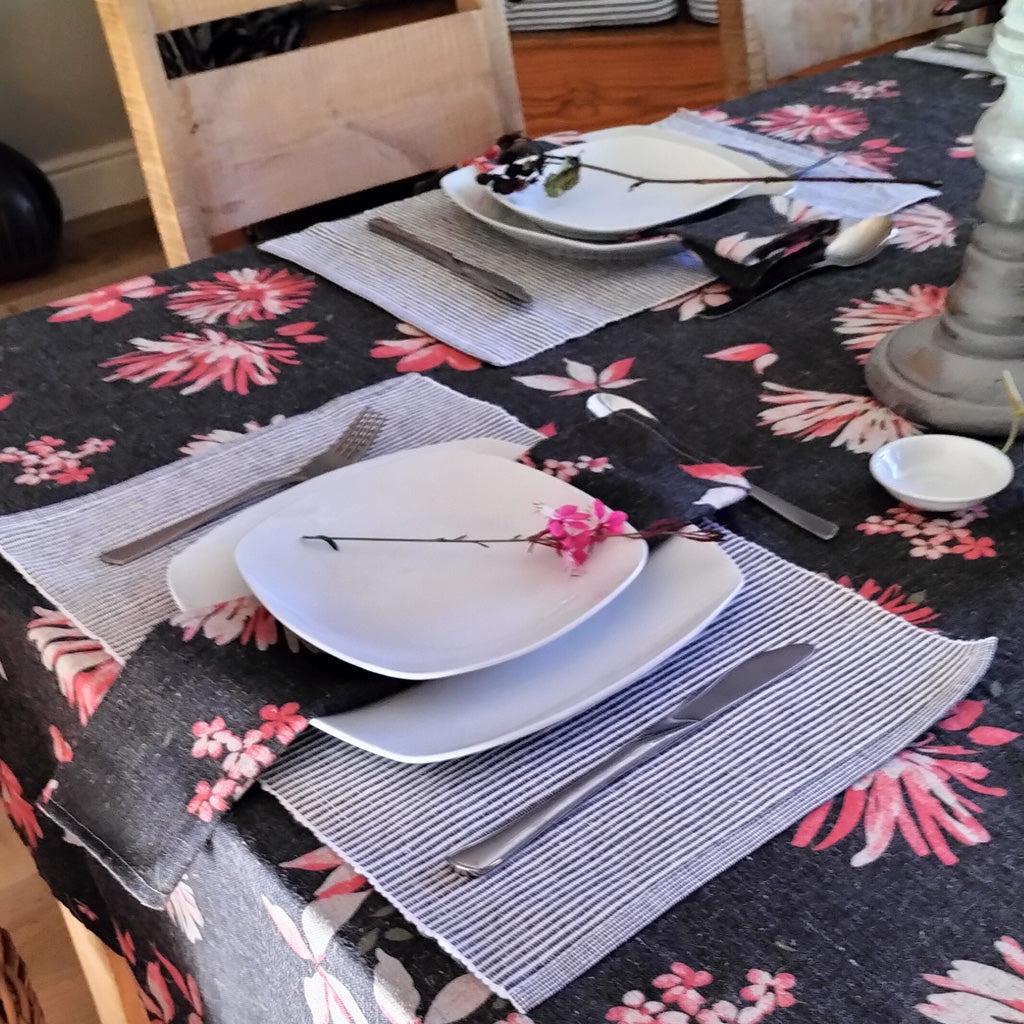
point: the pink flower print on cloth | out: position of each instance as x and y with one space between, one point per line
195 362
978 993
800 122
886 89
758 354
243 619
85 671
680 999
419 352
731 480
696 300
893 599
933 537
867 321
18 809
919 793
855 422
46 460
582 378
566 469
924 226
107 303
215 438
239 296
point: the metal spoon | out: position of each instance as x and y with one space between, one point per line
602 404
857 244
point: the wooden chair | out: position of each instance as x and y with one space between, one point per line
379 102
767 40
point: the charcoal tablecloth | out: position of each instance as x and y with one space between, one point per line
898 900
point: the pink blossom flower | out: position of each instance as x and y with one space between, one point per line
935 537
213 738
44 460
19 810
867 322
243 619
242 295
924 226
760 355
282 723
107 303
696 300
253 756
769 991
608 522
800 122
680 987
916 794
567 520
198 361
979 993
636 1008
561 468
84 670
886 89
582 378
856 422
210 800
420 352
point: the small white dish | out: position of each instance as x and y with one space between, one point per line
941 472
462 189
683 588
422 611
605 207
205 573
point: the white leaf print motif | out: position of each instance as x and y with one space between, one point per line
184 910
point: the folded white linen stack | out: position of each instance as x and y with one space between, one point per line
652 838
56 548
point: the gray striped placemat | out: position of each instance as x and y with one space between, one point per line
55 548
571 298
649 840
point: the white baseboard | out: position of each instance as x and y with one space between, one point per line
98 178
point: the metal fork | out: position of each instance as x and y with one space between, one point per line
350 447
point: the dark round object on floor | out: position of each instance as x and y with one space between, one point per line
31 219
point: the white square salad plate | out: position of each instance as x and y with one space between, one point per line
682 589
606 206
426 610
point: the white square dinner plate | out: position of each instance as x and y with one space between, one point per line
426 610
605 206
682 589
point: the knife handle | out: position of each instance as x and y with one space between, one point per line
389 229
494 849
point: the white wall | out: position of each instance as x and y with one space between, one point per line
60 105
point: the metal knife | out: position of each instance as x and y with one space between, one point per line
745 679
487 280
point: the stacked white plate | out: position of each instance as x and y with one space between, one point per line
704 10
506 641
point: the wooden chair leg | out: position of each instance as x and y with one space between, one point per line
107 975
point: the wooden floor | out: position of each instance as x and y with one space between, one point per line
579 80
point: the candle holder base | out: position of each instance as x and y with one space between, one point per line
920 373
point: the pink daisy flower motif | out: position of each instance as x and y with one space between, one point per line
866 322
801 122
419 352
195 362
107 303
978 993
239 296
282 723
760 355
582 378
696 300
919 794
924 226
855 422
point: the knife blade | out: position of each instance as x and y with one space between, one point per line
740 682
487 280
